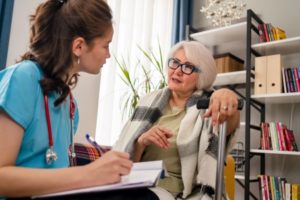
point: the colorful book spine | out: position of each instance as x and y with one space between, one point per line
280 136
294 82
283 80
267 189
292 139
297 80
266 32
262 137
299 73
274 136
261 187
288 142
288 191
262 37
290 79
287 83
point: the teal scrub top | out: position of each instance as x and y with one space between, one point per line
22 99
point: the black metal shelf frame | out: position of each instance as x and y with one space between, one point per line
251 17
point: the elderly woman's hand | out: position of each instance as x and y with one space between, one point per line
156 135
224 106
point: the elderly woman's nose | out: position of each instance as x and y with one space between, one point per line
178 70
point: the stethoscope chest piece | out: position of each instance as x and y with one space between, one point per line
51 156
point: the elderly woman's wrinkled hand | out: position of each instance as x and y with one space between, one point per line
156 135
223 105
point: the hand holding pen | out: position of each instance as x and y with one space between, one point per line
93 142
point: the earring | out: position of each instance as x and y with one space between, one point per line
78 61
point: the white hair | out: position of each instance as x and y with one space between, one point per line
202 58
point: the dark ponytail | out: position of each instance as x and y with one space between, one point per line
53 27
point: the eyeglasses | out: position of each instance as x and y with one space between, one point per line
185 68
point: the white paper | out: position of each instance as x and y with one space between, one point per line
143 174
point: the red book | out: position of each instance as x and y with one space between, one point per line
288 142
266 187
262 37
292 139
267 136
297 78
281 139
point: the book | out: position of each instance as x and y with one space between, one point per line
261 187
274 136
143 174
288 191
266 32
290 134
290 79
288 142
280 34
266 141
297 79
284 80
282 143
287 83
262 37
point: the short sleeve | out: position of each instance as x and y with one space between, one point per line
19 87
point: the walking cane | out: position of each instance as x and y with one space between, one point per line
203 104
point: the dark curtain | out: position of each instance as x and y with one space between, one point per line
183 13
6 10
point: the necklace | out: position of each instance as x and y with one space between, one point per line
51 155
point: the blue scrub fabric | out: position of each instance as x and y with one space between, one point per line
22 99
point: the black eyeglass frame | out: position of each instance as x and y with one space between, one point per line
193 67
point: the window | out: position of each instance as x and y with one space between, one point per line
146 23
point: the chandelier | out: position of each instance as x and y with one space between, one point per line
223 12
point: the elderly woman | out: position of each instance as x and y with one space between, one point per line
168 126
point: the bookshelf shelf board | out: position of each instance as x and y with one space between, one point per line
242 177
281 98
218 36
231 78
285 46
296 153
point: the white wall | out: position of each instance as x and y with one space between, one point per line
87 89
284 14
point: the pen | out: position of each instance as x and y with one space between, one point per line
93 142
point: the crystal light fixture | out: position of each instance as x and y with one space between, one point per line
223 12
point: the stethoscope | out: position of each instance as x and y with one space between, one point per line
51 155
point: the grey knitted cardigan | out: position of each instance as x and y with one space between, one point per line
196 142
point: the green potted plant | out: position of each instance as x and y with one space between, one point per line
140 81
